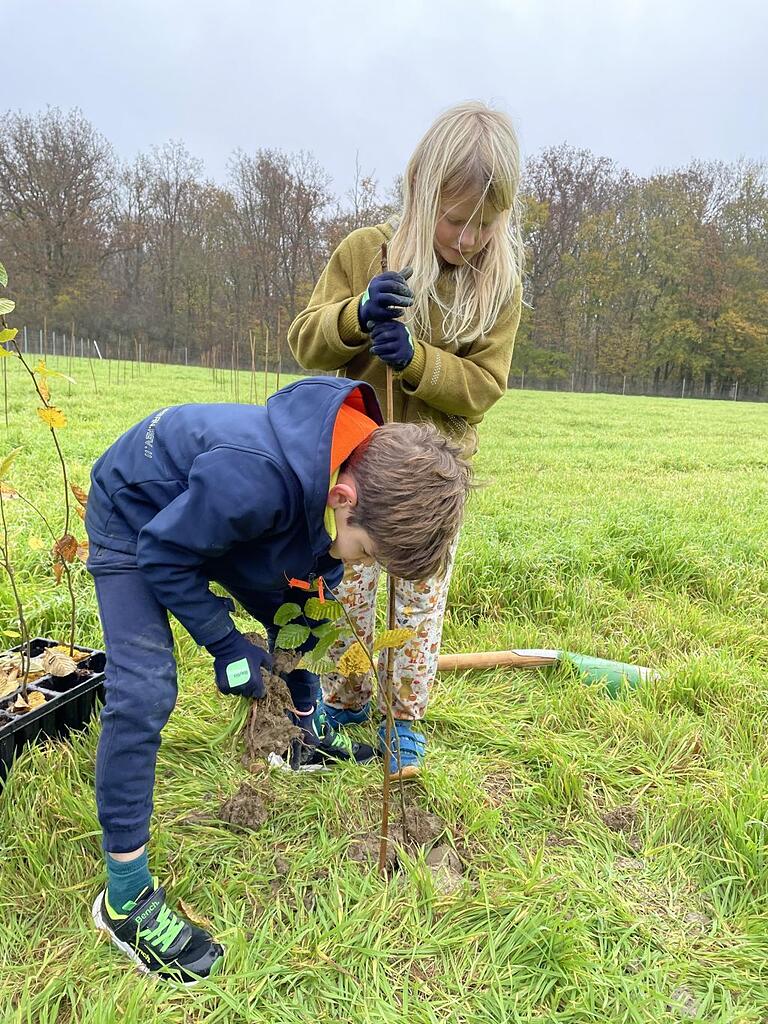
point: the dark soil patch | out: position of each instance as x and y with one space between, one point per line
621 819
247 809
423 829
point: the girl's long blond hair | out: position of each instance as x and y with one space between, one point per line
469 150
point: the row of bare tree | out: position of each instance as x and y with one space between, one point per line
664 278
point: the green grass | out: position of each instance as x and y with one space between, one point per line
627 528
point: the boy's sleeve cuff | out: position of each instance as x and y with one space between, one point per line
349 323
414 371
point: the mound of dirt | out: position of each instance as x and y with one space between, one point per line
268 729
247 809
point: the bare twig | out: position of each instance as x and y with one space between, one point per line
64 563
5 556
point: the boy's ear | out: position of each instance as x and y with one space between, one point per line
343 494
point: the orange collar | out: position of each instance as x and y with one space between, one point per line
351 428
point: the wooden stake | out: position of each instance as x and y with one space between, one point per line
265 328
279 352
252 342
389 678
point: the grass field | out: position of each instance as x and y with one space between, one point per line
627 528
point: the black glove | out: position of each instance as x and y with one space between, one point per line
385 298
238 663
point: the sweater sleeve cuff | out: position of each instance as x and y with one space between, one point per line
349 323
414 371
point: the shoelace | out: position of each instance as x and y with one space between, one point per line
166 929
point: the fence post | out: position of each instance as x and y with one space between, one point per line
736 391
26 349
624 384
522 380
683 391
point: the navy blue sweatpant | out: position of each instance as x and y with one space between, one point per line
141 690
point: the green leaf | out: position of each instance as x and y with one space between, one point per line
291 637
8 334
326 629
317 609
3 276
6 306
5 465
286 613
323 646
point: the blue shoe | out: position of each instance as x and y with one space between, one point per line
412 747
337 717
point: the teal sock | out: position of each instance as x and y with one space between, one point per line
125 880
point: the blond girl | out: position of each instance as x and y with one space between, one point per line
445 320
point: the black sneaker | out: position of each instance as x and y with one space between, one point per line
158 940
320 745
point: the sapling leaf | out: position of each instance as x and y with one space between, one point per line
3 276
65 548
286 613
80 494
52 417
326 629
5 352
393 638
41 370
36 544
6 306
317 609
8 335
80 511
45 391
5 465
82 551
292 636
57 663
354 660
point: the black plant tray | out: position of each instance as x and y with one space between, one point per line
70 702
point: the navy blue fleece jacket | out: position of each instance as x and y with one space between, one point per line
228 493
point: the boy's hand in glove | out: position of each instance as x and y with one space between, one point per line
385 298
237 664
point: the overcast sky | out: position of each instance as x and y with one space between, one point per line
650 83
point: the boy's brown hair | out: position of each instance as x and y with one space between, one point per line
412 487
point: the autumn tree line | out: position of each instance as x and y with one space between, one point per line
655 284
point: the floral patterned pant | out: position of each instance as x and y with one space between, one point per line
419 606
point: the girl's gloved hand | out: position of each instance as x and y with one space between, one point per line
392 343
385 298
237 664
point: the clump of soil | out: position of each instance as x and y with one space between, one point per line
268 729
621 819
247 809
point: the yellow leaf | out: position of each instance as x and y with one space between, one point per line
8 491
5 465
5 352
8 335
82 551
393 638
354 660
45 391
36 544
52 417
41 370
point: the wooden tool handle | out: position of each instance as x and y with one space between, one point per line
495 659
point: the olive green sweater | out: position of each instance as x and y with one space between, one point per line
451 385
